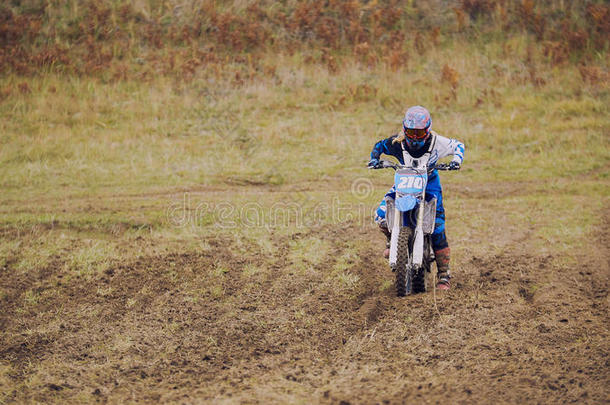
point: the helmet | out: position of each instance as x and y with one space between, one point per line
416 126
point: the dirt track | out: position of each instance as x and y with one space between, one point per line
196 327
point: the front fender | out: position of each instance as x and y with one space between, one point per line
406 203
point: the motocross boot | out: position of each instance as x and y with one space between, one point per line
383 227
442 266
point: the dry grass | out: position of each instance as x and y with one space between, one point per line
73 132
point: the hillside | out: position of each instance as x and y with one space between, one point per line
186 215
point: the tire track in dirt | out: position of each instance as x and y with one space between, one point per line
206 325
513 320
138 324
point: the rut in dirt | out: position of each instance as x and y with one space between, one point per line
233 314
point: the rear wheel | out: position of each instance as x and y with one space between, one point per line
404 272
419 280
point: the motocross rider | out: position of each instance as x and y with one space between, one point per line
415 140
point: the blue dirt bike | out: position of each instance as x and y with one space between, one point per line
410 220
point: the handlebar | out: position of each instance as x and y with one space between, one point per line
386 164
445 166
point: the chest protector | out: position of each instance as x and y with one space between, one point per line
419 161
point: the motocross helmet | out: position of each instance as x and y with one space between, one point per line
416 126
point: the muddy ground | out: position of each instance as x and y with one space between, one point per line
234 323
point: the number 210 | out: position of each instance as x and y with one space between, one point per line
411 182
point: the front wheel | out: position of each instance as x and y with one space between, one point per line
404 270
420 276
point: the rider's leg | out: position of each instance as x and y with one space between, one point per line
380 219
439 238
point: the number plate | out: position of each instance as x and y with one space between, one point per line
409 183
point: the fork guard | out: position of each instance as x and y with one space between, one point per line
389 212
429 216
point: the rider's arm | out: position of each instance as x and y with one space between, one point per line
447 147
386 147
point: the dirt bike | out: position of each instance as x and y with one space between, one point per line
411 253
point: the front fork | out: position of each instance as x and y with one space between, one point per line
396 224
417 255
418 240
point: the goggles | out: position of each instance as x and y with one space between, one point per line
416 133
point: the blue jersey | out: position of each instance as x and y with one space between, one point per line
438 146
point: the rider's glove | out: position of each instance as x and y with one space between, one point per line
373 164
454 166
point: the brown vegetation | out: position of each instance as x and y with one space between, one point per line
126 40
